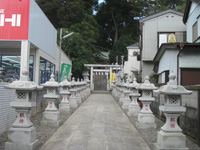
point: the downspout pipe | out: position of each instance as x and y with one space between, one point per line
181 49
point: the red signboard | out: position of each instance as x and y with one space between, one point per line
14 19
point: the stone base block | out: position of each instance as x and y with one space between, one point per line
64 108
146 118
51 118
79 101
21 139
73 103
121 100
145 125
126 104
170 141
133 110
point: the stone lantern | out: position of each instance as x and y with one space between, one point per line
113 88
121 89
73 98
51 115
88 86
83 88
146 119
170 136
134 108
126 101
64 107
78 93
22 134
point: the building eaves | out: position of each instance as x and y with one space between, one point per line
160 14
162 50
187 9
165 46
133 45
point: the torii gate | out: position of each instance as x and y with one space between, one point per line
108 69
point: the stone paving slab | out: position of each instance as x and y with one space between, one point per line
98 124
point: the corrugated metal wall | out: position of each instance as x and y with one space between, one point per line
7 113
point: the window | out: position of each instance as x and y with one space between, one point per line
164 37
194 32
11 67
46 68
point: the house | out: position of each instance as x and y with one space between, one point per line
132 66
182 58
155 30
192 20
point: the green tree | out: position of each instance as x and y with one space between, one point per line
161 5
79 53
119 48
64 13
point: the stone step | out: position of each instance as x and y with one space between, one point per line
100 92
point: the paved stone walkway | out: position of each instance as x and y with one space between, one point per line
98 124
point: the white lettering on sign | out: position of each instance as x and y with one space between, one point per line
15 20
2 11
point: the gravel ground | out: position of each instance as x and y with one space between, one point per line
45 132
150 135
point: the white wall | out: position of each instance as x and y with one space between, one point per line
189 59
168 61
132 64
41 32
165 23
192 18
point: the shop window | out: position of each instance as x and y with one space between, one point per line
46 68
10 66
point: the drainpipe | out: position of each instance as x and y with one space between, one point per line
181 48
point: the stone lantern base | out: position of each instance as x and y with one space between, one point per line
73 102
126 102
64 108
79 101
145 121
170 141
22 139
51 118
133 110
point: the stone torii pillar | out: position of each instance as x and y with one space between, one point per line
91 78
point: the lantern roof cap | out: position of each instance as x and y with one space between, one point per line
147 85
134 84
65 82
172 88
51 82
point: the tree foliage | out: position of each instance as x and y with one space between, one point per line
78 51
114 26
120 48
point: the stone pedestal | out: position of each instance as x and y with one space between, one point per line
51 115
134 108
21 139
64 107
73 99
146 119
126 101
170 141
170 136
